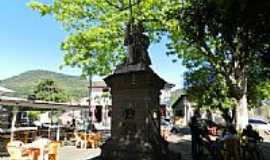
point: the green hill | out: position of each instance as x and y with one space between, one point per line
24 84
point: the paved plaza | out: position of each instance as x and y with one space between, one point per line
179 144
182 144
73 153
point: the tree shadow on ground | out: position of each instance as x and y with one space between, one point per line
183 146
265 146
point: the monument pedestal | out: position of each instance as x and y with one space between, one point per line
135 127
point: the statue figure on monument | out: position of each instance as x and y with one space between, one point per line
137 44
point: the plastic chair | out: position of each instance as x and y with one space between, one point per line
42 144
53 150
97 140
15 150
78 140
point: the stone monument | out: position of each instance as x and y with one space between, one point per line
135 89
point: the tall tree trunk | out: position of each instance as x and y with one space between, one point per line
242 103
238 89
242 112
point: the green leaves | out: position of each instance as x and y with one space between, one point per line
92 51
48 91
258 91
207 88
33 115
42 8
219 39
96 28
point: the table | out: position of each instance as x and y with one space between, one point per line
33 152
90 138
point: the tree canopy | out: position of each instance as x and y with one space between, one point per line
96 27
227 41
47 90
207 89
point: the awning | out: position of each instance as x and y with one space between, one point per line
3 130
5 90
38 105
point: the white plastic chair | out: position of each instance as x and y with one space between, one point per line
15 150
42 144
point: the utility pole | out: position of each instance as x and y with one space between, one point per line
90 89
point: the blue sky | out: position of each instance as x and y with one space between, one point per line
29 42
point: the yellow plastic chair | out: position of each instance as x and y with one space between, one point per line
97 140
91 140
53 150
78 140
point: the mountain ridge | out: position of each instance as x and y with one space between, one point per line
24 83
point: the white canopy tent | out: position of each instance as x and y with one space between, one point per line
36 105
4 90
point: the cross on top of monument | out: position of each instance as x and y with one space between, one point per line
136 41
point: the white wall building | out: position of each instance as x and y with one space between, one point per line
165 99
183 111
99 111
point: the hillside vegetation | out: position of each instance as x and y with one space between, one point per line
24 84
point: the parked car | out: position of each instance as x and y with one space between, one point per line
260 124
165 124
179 130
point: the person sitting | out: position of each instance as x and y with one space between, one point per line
73 125
231 144
251 134
93 128
212 128
250 138
229 133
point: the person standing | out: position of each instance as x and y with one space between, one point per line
209 115
195 134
